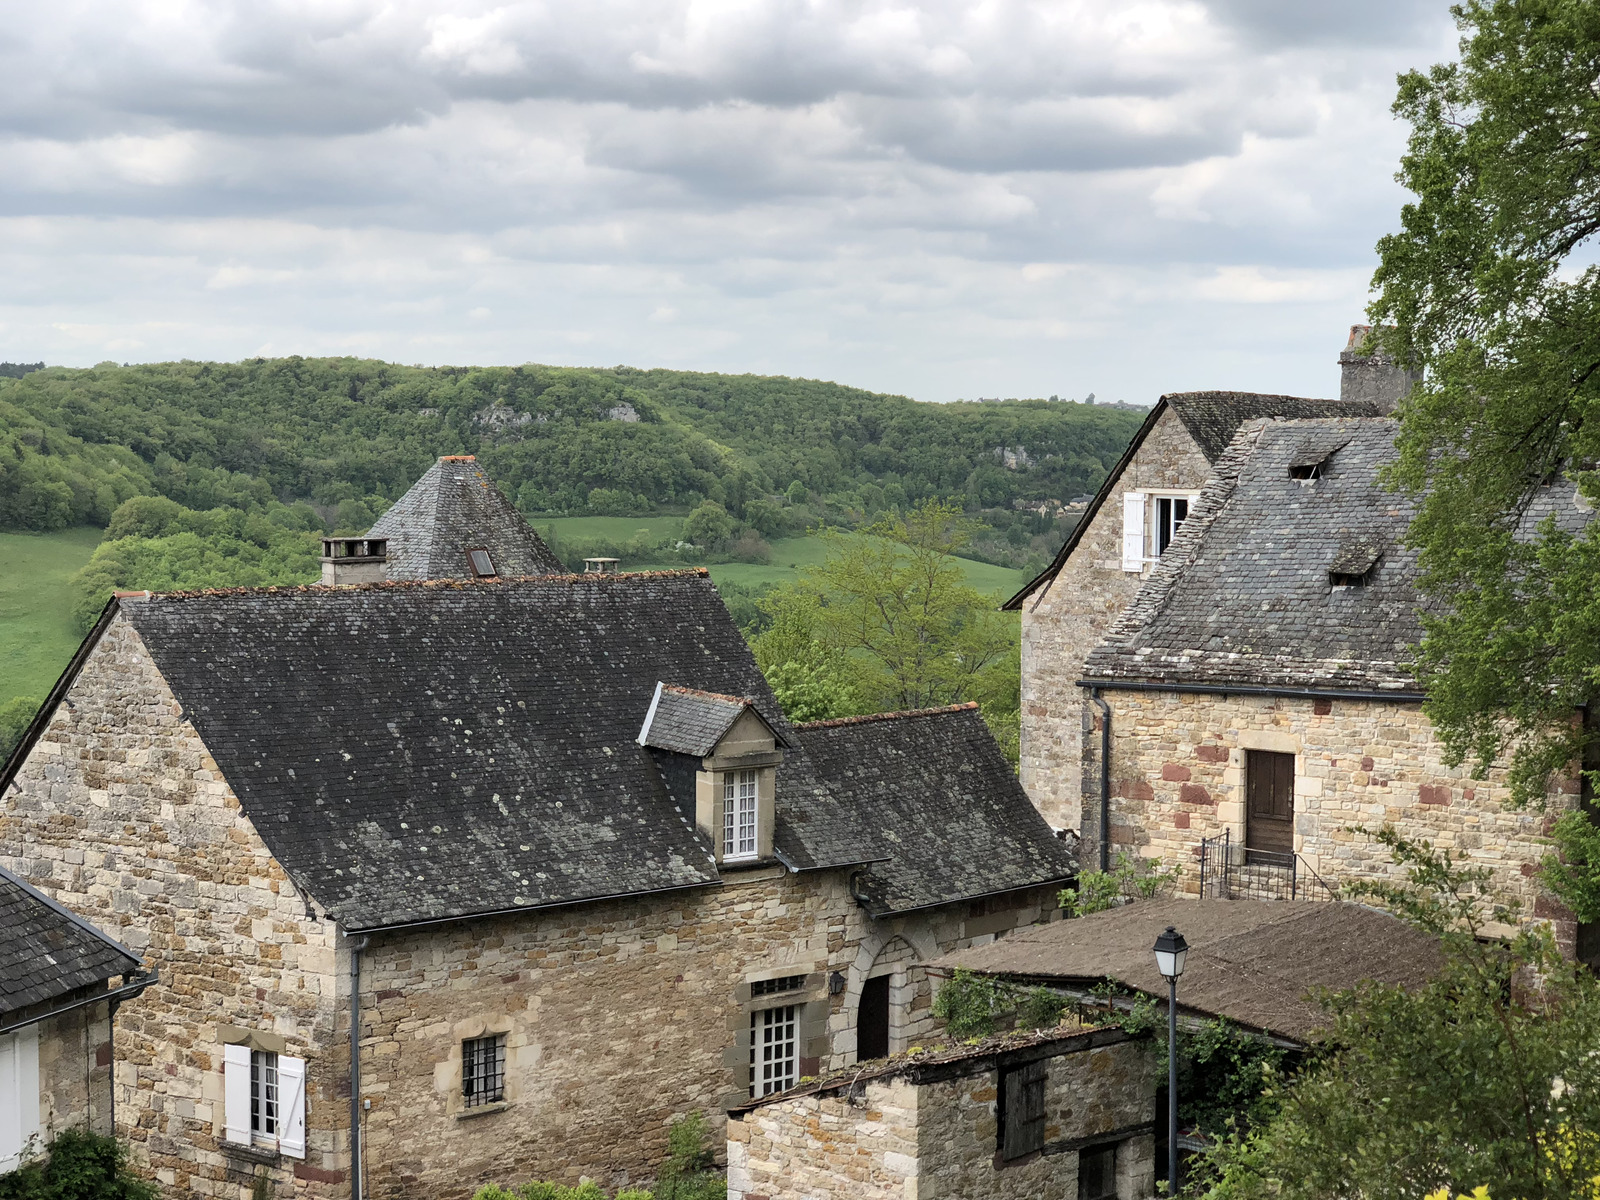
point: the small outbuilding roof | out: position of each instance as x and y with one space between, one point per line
48 952
1255 962
452 509
937 792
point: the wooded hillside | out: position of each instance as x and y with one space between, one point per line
347 436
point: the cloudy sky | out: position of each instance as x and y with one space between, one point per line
943 199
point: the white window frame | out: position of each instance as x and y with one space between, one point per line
741 810
1141 534
19 1096
264 1100
774 1049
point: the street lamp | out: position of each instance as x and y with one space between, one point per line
1171 950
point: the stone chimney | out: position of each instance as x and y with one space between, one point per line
1373 378
354 560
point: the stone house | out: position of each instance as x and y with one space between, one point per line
1126 528
1255 703
1065 1114
61 983
545 849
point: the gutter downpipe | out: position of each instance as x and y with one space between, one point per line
356 1148
1105 779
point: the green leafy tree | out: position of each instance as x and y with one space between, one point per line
1488 285
709 525
15 716
887 622
79 1166
1487 1072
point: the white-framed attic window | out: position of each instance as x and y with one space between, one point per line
740 809
264 1100
1150 520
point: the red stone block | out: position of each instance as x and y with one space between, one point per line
1193 793
1211 754
1174 773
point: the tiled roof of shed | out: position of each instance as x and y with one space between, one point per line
936 789
1212 419
690 721
47 952
1243 595
454 508
422 751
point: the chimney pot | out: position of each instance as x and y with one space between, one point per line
354 560
601 566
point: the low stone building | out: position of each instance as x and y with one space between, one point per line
1256 700
1066 1114
61 982
551 842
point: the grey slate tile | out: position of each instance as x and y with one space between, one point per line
46 952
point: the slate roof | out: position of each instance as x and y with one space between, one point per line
454 508
425 751
1243 595
938 792
47 952
1255 962
690 721
1212 419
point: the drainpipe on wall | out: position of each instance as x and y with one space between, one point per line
356 947
1105 779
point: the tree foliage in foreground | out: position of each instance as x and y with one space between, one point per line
1485 1075
1488 286
79 1166
888 623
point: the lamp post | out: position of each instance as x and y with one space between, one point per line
1171 950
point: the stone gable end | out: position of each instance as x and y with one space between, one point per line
120 813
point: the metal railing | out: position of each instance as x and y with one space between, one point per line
1229 871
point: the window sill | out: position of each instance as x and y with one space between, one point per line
255 1154
483 1110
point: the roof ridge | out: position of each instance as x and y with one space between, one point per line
594 578
705 695
902 714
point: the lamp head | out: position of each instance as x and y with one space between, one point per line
1171 950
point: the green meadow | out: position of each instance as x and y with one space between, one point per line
36 633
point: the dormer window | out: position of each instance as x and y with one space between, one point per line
1150 522
482 565
733 754
1310 458
739 815
1355 563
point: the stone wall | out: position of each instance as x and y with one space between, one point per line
1069 617
121 814
75 1071
901 1138
1178 765
619 1017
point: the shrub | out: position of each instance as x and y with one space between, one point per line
81 1166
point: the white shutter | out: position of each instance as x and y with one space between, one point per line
236 1094
19 1095
1133 531
291 1106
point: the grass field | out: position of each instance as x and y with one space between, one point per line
36 634
789 555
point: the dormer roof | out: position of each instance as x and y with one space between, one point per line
48 952
690 721
452 512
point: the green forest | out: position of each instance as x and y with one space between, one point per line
345 437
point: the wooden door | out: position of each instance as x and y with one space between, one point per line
872 1020
1269 801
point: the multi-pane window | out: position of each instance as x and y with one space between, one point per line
774 1050
784 983
1097 1173
739 814
263 1094
483 1069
